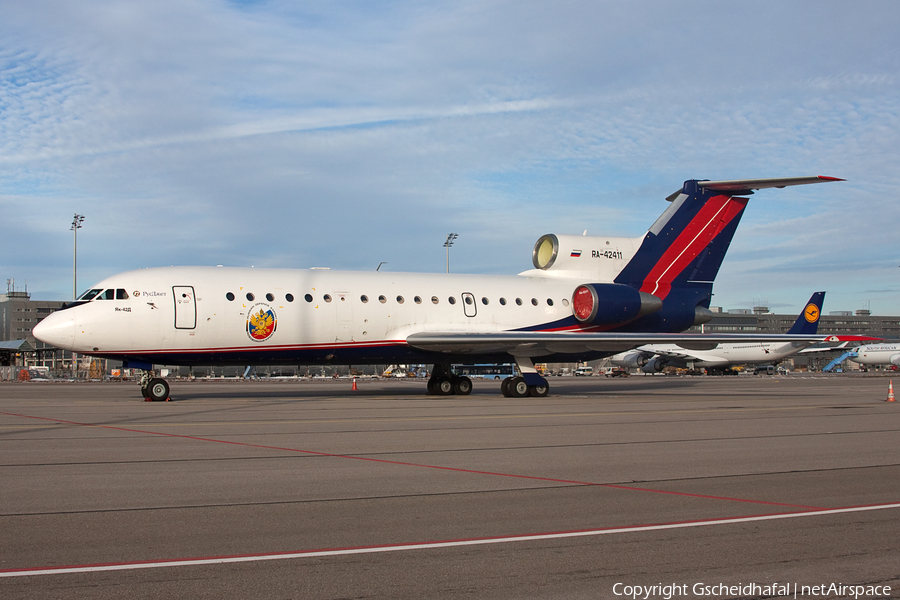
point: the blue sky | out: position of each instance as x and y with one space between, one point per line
343 134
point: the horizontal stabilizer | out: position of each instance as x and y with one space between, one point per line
746 186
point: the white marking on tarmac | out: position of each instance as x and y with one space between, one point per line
216 560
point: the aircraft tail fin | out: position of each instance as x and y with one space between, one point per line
688 242
679 257
807 322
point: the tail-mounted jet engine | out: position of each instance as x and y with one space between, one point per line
585 257
611 303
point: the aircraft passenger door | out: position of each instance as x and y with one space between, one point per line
469 306
344 317
185 307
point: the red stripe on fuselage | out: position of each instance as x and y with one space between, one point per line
710 220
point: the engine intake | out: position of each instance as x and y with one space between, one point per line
611 303
584 257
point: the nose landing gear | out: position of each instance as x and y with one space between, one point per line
154 388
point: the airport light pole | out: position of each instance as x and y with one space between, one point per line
451 237
76 225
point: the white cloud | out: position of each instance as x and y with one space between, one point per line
281 134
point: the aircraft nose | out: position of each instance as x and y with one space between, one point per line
57 329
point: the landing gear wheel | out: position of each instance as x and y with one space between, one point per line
443 386
157 390
540 390
504 387
462 386
517 387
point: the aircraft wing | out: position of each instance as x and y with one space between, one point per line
672 354
846 339
533 344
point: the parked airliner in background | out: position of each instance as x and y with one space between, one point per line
877 354
585 299
653 358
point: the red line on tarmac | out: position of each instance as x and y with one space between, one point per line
235 558
420 465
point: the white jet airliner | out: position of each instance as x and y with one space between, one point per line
586 298
653 358
877 354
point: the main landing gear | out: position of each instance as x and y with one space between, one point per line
529 383
517 387
154 388
444 383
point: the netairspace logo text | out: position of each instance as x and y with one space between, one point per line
781 590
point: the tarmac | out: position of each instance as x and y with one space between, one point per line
704 487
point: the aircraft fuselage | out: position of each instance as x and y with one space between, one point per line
204 315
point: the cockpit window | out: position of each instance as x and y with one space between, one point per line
99 294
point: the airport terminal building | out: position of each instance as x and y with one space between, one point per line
760 320
18 347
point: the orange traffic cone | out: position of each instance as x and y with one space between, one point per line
890 397
354 389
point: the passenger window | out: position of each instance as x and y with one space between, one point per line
451 300
417 300
534 302
230 297
434 300
308 297
327 297
549 301
250 296
399 299
382 299
289 297
502 301
270 297
364 298
519 301
484 301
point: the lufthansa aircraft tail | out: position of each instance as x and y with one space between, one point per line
808 321
679 257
